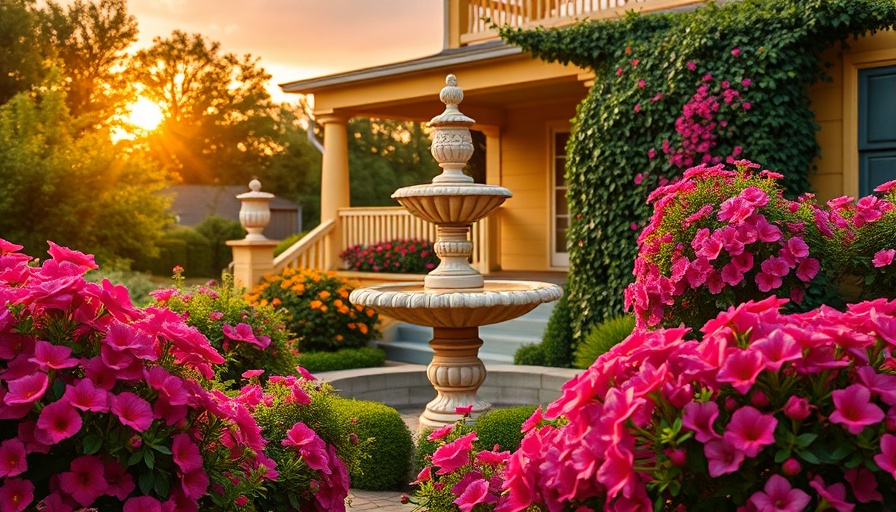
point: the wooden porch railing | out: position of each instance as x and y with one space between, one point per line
308 252
370 225
481 14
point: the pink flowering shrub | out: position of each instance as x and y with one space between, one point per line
397 256
720 237
456 475
105 406
769 412
247 335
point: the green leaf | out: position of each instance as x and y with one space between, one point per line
162 449
805 440
149 458
146 482
782 455
808 456
162 484
135 457
92 444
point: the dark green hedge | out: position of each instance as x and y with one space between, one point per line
616 154
344 359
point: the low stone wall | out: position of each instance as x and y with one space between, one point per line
407 386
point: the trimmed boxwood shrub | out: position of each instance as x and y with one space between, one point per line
218 231
385 443
179 246
345 359
556 346
501 427
602 338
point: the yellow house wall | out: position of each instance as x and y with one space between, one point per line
525 161
836 112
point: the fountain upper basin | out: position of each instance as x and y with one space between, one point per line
496 301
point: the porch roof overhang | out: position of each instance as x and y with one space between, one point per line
493 75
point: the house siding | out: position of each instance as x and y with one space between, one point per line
835 106
526 217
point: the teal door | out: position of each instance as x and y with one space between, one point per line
877 127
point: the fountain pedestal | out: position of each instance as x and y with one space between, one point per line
454 300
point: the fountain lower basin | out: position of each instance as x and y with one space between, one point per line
496 301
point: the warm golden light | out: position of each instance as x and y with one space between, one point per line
145 114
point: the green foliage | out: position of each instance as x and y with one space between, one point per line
277 418
343 359
79 190
557 344
386 444
286 243
602 338
318 311
501 427
181 246
20 49
398 256
385 155
217 309
621 124
218 230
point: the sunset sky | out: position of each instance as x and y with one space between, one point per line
298 39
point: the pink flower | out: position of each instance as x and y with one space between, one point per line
425 475
121 483
248 374
864 485
532 422
779 496
464 410
132 411
311 447
638 107
883 258
194 484
750 431
767 282
12 458
885 187
87 397
474 493
26 390
143 504
740 369
49 356
746 83
59 421
641 83
185 453
747 105
440 432
243 332
692 65
886 459
16 494
699 417
453 455
807 269
834 494
777 349
85 482
854 408
735 52
305 373
722 457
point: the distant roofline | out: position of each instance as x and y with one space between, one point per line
448 57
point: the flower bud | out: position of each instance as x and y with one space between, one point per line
135 441
791 467
677 456
405 499
759 399
730 404
797 408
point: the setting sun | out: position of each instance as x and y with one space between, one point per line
145 114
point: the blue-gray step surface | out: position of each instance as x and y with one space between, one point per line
410 343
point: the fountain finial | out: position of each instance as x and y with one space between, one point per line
452 144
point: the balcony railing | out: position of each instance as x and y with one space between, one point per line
476 17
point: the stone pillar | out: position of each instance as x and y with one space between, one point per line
492 256
334 182
253 256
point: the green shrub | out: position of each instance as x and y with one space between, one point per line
386 444
501 427
602 338
556 346
277 417
179 246
286 243
398 256
319 313
219 230
217 312
343 359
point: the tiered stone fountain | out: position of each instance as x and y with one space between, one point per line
454 299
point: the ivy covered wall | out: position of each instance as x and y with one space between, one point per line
722 82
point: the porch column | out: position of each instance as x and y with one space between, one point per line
492 177
334 182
